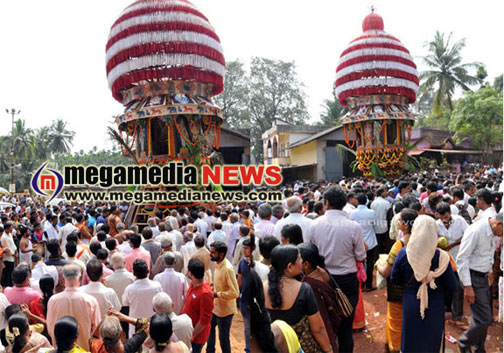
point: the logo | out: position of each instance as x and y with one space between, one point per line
47 185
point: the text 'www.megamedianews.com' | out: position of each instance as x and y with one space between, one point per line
186 195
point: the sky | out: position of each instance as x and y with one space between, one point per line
52 64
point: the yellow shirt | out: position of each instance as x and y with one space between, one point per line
226 287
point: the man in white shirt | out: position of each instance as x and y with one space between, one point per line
266 246
153 226
317 194
4 303
484 204
217 233
40 268
106 297
469 190
175 236
51 228
162 232
9 256
201 224
181 324
474 264
83 253
172 220
294 207
452 227
65 230
187 249
340 241
125 247
210 219
118 281
381 207
277 213
173 283
264 227
351 203
234 235
121 278
138 295
459 204
226 223
404 188
366 219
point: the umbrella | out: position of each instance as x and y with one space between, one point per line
4 191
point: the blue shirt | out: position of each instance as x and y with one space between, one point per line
91 221
101 219
246 282
366 219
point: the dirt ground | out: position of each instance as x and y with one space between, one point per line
372 338
236 337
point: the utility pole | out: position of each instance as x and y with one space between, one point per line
13 112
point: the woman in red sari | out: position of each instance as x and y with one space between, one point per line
359 321
38 307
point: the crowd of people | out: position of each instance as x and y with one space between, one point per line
75 278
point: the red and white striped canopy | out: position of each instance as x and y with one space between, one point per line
376 63
161 40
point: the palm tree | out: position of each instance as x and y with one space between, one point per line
20 140
333 111
60 139
40 142
447 71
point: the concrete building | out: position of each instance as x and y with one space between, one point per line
235 146
305 151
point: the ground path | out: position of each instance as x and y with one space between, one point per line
372 339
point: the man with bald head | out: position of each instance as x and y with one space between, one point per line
173 283
118 281
294 207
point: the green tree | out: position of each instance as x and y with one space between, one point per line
60 139
479 115
233 101
498 83
270 90
333 111
447 71
433 121
22 159
275 92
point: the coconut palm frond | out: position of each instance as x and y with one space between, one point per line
376 171
216 158
115 136
341 149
